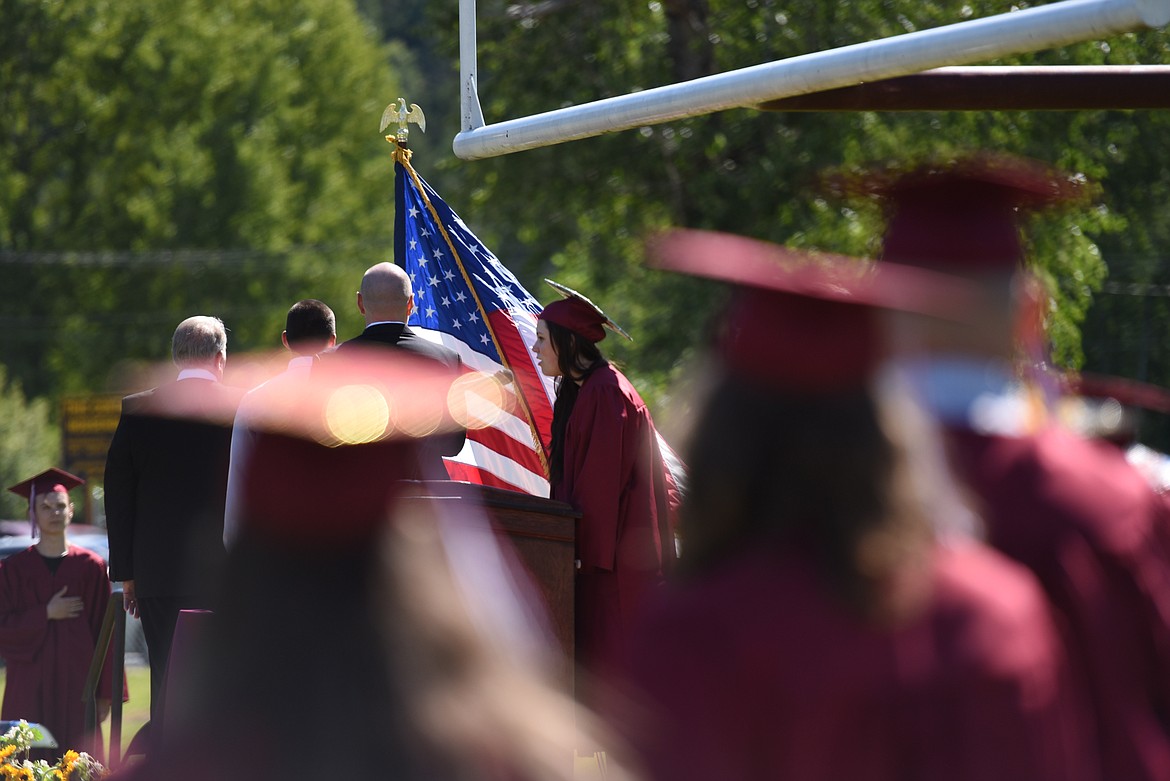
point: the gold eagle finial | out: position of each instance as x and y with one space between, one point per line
398 112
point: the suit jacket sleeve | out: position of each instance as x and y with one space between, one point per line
121 488
241 446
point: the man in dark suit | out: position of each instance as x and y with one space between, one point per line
165 485
310 329
386 300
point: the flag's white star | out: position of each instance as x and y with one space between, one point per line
474 248
446 301
460 297
422 260
424 232
413 244
448 274
474 317
430 312
413 212
456 325
483 338
433 281
438 253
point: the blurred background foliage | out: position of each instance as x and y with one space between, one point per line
162 160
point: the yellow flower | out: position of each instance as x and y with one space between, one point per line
6 752
65 766
16 773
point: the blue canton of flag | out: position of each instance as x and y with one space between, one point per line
468 301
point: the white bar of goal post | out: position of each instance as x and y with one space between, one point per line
963 43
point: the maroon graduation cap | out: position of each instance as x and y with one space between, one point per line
331 449
804 321
49 481
1130 392
963 215
580 315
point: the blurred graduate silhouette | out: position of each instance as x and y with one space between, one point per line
835 616
362 630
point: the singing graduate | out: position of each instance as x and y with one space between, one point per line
605 462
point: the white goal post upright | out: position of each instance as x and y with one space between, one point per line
963 43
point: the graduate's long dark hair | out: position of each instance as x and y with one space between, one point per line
577 358
818 474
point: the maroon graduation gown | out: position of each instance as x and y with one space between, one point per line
754 672
1087 523
48 661
611 453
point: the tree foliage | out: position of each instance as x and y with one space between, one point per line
30 443
162 160
579 210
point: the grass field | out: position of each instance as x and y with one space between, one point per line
135 713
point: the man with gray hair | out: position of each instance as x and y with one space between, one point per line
165 483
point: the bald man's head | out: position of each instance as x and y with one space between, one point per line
385 294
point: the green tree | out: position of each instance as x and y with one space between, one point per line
30 443
162 160
578 211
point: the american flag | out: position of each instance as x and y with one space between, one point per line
465 299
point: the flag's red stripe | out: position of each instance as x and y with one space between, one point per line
473 474
523 371
508 448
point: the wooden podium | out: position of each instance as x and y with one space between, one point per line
543 533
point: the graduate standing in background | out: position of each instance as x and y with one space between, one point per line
605 461
1072 510
53 597
367 632
832 617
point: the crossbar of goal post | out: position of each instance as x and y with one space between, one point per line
978 40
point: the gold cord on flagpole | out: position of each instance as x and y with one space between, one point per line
401 153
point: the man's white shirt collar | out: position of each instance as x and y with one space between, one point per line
197 374
301 362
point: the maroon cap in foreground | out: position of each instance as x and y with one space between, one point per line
300 493
964 215
328 451
1130 392
804 321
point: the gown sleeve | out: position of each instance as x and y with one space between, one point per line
594 445
23 625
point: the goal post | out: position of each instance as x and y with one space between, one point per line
1016 32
